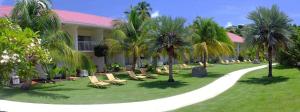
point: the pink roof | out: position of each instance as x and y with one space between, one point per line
72 18
235 38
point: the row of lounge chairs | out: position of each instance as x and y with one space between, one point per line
234 61
116 81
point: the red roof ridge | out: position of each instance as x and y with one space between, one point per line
235 38
72 17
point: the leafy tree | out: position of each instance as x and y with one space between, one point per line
290 56
20 50
253 41
39 16
169 35
273 29
210 39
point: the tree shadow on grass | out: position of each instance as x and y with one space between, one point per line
265 80
163 84
286 67
209 75
10 92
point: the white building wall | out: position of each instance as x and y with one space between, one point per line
97 35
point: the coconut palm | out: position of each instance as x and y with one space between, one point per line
272 26
143 8
129 36
39 16
209 39
168 36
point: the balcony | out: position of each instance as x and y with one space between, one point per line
86 45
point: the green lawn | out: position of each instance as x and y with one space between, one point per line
256 93
77 92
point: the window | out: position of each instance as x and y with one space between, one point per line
85 43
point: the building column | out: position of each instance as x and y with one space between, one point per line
75 35
238 50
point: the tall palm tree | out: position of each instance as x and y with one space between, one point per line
143 8
169 36
209 39
39 16
253 41
272 26
129 36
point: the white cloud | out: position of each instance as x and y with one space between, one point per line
229 24
155 14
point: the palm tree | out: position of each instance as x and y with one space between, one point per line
169 36
129 36
209 39
252 40
143 8
39 16
272 26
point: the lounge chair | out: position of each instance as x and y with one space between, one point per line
96 83
227 62
144 73
222 62
166 68
113 80
186 66
159 71
201 64
132 75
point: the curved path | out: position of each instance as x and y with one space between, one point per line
164 104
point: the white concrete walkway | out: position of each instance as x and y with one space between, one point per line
164 104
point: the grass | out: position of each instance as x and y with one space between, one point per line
78 92
257 93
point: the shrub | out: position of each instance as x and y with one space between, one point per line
291 55
115 67
101 50
20 50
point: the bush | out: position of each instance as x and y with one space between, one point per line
115 67
20 50
101 50
291 55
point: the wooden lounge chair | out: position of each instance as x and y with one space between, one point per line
159 71
222 62
113 80
186 66
132 75
144 73
227 62
201 64
166 68
96 83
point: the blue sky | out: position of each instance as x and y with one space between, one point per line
223 11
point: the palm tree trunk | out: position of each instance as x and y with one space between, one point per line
134 63
170 61
205 59
257 54
270 61
155 61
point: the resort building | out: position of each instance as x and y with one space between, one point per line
237 40
89 30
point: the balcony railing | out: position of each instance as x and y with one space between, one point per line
86 45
